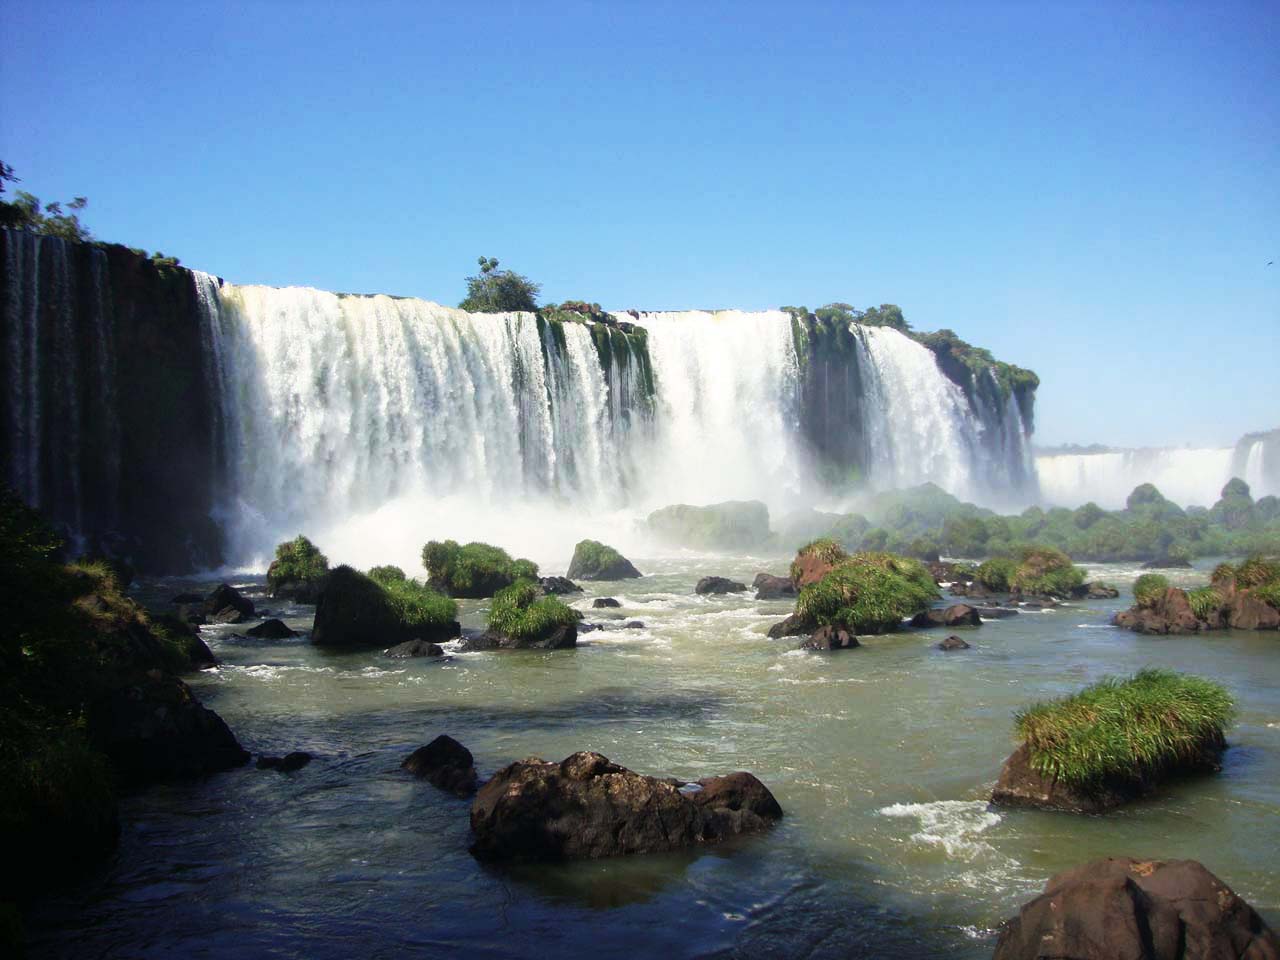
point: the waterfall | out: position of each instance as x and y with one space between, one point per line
1187 477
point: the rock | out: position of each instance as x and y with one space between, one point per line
589 807
558 586
769 587
589 627
286 764
298 591
1097 590
949 572
414 648
1137 910
1171 613
1021 785
974 590
271 630
189 636
156 729
225 596
445 763
1167 563
1247 612
595 561
1037 603
793 626
600 603
185 598
562 638
997 613
830 638
228 615
809 568
192 614
718 585
353 612
953 643
956 615
633 625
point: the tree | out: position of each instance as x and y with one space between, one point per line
24 212
497 291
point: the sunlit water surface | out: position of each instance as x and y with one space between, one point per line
882 758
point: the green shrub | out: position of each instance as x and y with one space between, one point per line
868 593
475 570
418 606
1270 594
1149 588
1205 602
997 574
386 574
521 612
1257 572
297 561
1045 570
1124 728
824 549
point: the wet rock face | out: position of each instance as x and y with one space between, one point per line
445 763
226 604
588 807
718 585
1021 785
601 603
769 587
830 638
953 643
793 626
558 586
1137 910
956 615
271 630
561 638
1247 612
414 648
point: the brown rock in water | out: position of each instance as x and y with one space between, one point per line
769 587
956 615
718 585
445 763
1171 613
1021 785
1247 612
588 807
809 569
831 638
1125 909
953 643
793 626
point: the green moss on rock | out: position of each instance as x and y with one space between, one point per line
868 593
593 560
474 570
522 613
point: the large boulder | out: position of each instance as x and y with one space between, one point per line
1170 613
271 630
445 763
793 626
588 807
226 604
1021 785
596 561
769 587
956 615
558 586
718 585
156 729
414 648
810 567
1247 612
1125 909
354 612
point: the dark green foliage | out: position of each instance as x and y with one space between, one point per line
1149 588
498 291
1045 571
386 574
356 611
1125 728
868 593
1089 514
1235 509
1145 494
25 212
475 570
997 574
297 561
733 525
521 612
417 606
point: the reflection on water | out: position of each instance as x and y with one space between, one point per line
881 757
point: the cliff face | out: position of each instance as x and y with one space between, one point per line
106 407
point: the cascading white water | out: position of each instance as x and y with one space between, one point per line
1187 477
919 423
727 421
1255 467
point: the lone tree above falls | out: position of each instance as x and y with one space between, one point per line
498 291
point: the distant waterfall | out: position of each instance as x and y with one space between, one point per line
1187 477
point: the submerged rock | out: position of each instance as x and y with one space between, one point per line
1021 785
830 638
588 807
445 763
633 625
414 648
1167 563
561 638
558 586
286 764
769 587
601 603
953 643
956 615
1137 910
271 630
596 561
718 585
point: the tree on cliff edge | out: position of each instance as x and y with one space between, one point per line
497 291
25 213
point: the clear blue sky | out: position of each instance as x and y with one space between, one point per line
1090 190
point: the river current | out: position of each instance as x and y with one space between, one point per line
881 758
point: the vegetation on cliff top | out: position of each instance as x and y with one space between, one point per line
498 291
1125 728
521 612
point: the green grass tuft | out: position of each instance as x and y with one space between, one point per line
1270 594
475 569
1149 588
825 549
1124 728
523 613
1045 570
418 606
1205 602
868 593
1258 572
997 574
